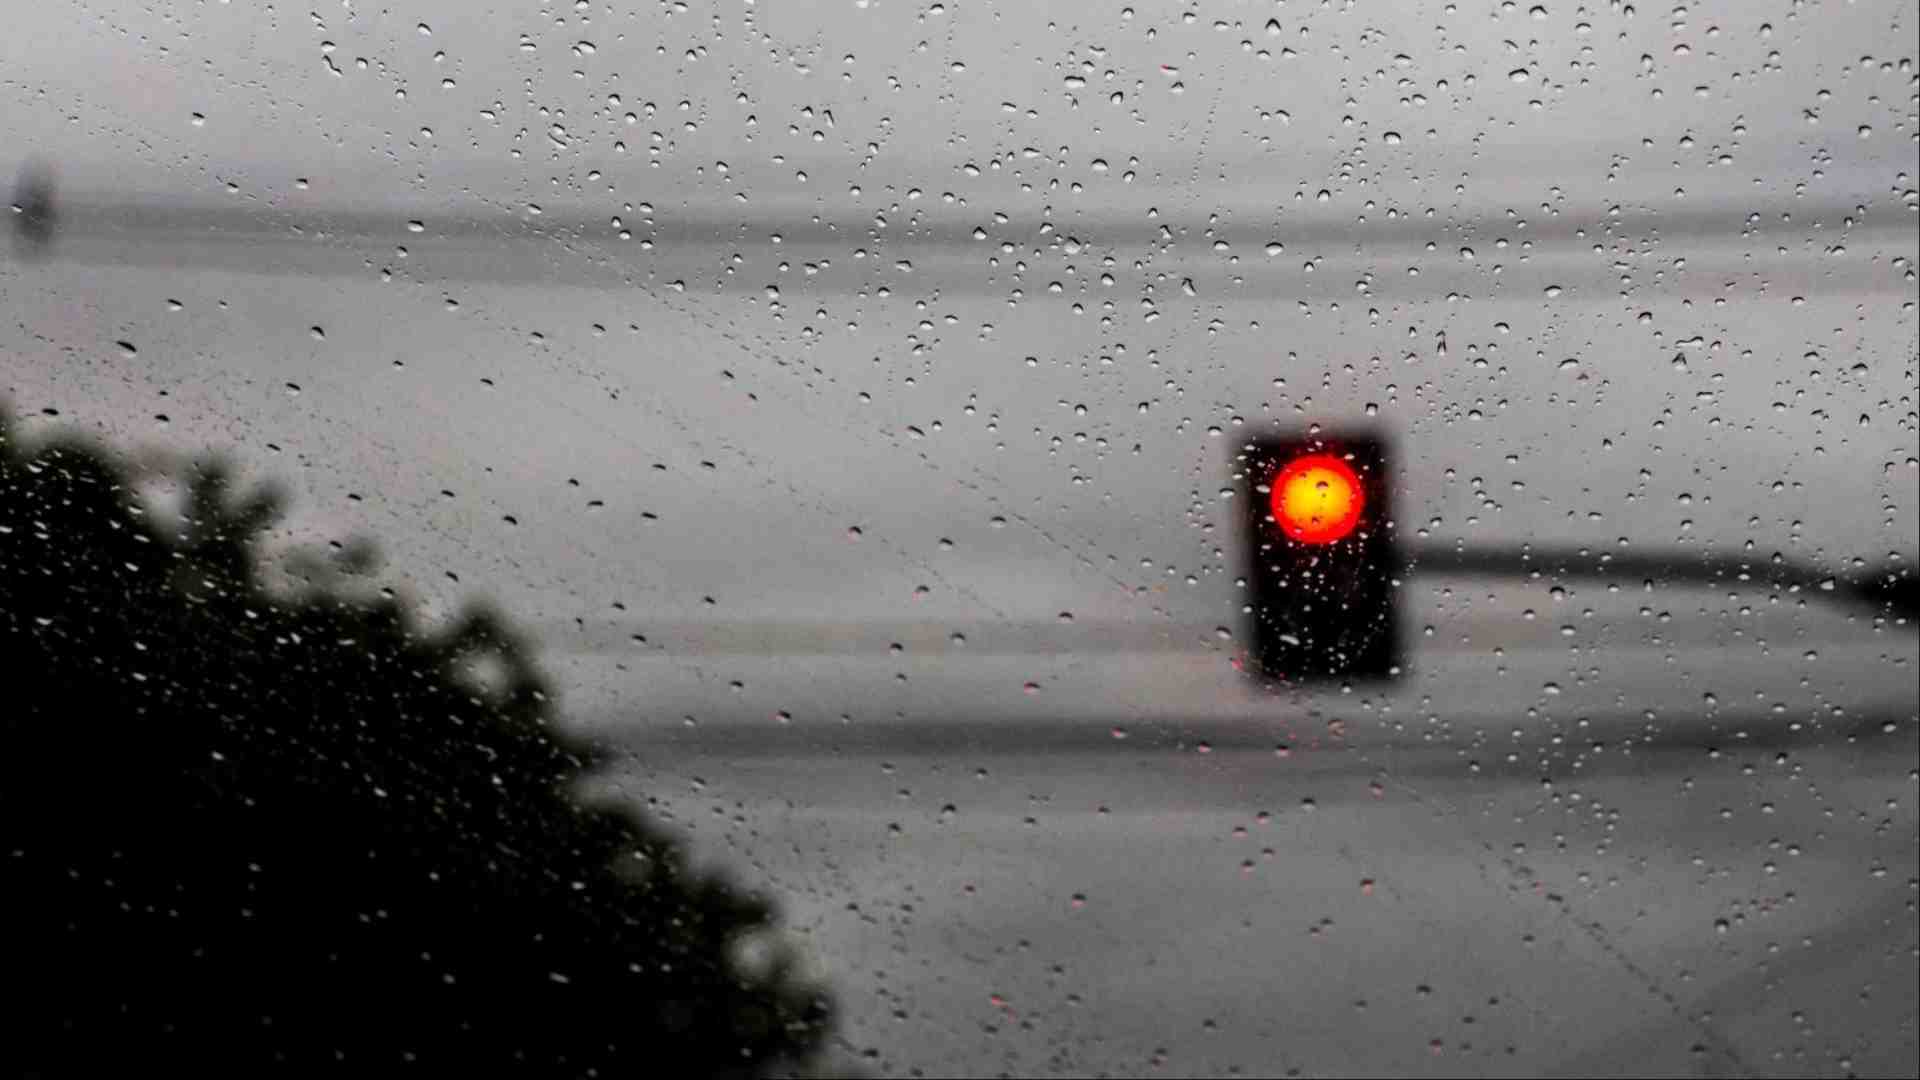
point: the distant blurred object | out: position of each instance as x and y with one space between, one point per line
34 214
248 829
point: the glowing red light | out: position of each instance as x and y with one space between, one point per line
1317 499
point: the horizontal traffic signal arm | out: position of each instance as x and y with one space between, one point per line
1891 590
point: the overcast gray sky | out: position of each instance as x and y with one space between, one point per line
1228 104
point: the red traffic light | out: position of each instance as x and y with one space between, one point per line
1320 556
1317 499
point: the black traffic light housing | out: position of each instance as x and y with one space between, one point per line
1320 610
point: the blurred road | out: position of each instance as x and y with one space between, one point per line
1089 912
1510 865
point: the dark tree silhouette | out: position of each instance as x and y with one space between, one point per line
247 829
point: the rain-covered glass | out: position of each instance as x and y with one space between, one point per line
869 414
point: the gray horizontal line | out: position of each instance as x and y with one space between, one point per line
584 253
957 228
250 226
1304 738
588 252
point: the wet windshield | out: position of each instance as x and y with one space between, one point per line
873 422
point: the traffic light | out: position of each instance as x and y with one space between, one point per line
1318 533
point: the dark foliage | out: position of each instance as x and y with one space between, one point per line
247 830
